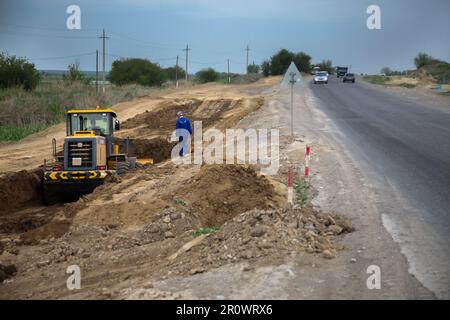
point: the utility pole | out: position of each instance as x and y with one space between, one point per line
104 37
292 82
96 71
187 57
247 49
176 74
228 62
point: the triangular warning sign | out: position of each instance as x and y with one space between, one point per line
291 73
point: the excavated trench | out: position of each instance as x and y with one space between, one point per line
21 196
156 149
162 120
21 193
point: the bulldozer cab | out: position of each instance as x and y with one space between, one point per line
94 122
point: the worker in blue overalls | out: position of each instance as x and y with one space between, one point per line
183 131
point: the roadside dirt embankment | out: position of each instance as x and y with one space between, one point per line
18 189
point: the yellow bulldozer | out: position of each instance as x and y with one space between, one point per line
89 154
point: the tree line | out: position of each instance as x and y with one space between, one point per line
18 72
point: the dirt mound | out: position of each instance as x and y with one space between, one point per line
423 77
272 234
211 112
219 192
156 149
19 188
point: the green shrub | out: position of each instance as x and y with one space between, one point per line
280 61
303 62
207 75
17 72
265 67
171 73
253 68
422 60
439 70
386 70
139 71
326 65
206 230
74 74
301 191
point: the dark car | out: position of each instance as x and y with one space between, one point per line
349 77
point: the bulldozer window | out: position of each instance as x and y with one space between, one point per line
98 122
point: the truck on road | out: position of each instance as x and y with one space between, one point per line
341 71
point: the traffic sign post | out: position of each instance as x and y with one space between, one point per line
292 82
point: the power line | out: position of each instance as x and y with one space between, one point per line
146 43
237 62
207 63
128 57
120 37
64 57
18 33
44 28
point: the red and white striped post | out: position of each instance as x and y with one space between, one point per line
307 160
290 185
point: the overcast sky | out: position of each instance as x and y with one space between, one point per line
219 30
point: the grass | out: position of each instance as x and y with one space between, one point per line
206 230
11 133
407 85
447 93
25 112
240 78
376 79
301 191
180 202
383 80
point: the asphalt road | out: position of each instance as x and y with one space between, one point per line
404 148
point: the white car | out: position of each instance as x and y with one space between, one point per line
321 77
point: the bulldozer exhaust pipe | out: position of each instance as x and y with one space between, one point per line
54 148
